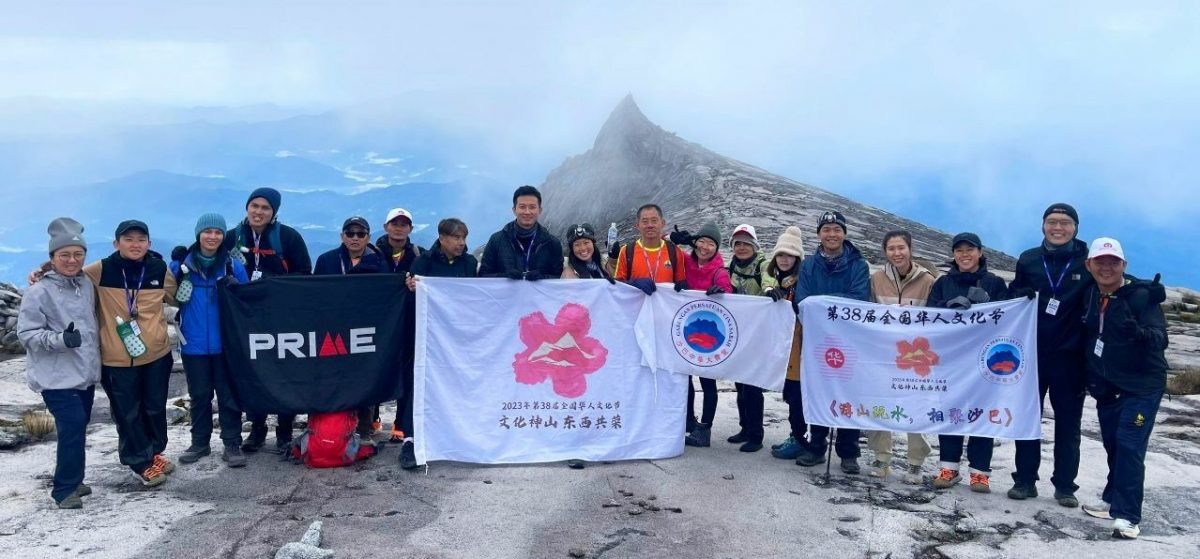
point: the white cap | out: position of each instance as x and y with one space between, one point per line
397 212
744 229
1106 246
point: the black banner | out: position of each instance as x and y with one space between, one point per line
310 344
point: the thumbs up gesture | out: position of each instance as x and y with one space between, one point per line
72 338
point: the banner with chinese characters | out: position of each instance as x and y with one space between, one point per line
731 337
518 371
924 370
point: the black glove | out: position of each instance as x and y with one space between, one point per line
228 280
680 286
614 251
714 290
533 275
1027 292
611 280
1158 293
515 275
681 237
960 303
179 253
776 294
645 284
71 337
978 295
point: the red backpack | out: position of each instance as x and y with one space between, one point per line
330 441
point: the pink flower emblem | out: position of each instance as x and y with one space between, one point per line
561 351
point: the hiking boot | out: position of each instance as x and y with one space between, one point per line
809 458
233 457
1066 499
946 478
283 445
740 437
397 436
880 469
1125 530
850 466
83 490
255 441
700 436
408 457
789 449
152 476
913 476
691 424
71 502
1022 491
194 453
750 447
163 464
1098 510
979 483
575 464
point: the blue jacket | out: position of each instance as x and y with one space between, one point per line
199 318
846 276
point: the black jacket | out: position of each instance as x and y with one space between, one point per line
337 262
290 258
503 254
411 252
957 283
433 263
1062 331
1135 336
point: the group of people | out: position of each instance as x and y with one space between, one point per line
1100 331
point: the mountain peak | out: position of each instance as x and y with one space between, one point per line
625 125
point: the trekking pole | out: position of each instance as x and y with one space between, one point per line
829 456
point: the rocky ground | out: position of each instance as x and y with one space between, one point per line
713 502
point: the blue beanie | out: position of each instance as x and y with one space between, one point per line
271 195
210 221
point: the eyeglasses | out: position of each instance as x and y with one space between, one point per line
1059 222
71 256
355 234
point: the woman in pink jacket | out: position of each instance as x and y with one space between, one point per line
705 272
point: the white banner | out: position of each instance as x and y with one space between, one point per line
518 371
740 338
924 370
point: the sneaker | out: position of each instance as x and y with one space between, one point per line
71 502
397 436
789 450
194 453
740 437
233 457
575 464
1125 530
1098 510
787 441
83 490
152 476
163 464
1066 499
912 475
1022 491
850 466
979 483
408 458
880 469
701 436
809 459
946 478
750 447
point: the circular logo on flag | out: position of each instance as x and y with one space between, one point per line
835 358
704 333
1002 361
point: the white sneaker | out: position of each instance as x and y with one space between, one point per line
1125 530
1098 510
913 475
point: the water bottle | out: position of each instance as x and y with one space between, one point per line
133 343
183 292
612 234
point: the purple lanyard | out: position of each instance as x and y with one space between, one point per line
131 298
1054 285
529 249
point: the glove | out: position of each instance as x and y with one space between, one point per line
1158 293
614 251
714 290
1127 329
611 280
179 253
960 303
680 286
681 237
1027 292
515 275
978 295
228 280
72 338
776 294
533 275
645 284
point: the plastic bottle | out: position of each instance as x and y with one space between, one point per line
612 234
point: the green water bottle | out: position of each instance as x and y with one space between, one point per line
183 293
133 344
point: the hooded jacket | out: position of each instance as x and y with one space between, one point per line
47 307
712 273
957 283
113 291
887 288
1134 335
846 276
200 317
1062 331
503 254
435 264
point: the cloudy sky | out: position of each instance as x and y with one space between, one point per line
969 115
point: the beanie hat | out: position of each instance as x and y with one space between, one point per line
271 195
832 216
711 231
210 221
580 231
745 233
1062 208
791 241
65 232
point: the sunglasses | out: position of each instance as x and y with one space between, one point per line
355 234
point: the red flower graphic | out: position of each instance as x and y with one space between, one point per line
562 351
916 356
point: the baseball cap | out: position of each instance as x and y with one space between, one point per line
129 225
356 220
398 212
745 230
969 238
1106 246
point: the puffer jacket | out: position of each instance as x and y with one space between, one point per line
847 276
711 273
46 309
200 317
957 283
888 289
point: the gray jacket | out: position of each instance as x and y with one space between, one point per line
46 309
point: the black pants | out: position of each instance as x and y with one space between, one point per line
1064 376
72 410
258 426
207 375
138 399
845 443
750 411
404 406
709 407
791 395
979 451
1126 420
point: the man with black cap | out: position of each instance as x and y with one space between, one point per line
523 249
837 269
268 248
1055 272
356 254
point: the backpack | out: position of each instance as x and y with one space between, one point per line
272 239
330 441
670 255
756 264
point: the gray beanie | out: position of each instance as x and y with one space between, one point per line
65 232
210 221
711 231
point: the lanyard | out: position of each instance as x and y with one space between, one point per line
1103 307
657 260
131 298
1054 285
257 238
529 249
